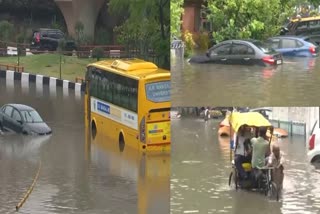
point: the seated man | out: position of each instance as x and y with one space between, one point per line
242 150
260 149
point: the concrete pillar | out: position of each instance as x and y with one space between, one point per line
85 11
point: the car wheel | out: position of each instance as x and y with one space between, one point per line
316 160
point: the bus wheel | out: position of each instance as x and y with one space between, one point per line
121 142
93 129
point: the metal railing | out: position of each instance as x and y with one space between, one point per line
15 68
292 127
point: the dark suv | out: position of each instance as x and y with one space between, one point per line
48 39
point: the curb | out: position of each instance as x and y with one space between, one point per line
40 79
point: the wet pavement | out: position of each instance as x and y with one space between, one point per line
295 83
73 178
201 166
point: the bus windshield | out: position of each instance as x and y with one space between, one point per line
158 91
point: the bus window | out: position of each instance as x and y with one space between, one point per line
158 91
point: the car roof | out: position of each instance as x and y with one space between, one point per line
308 36
261 109
47 29
287 37
241 40
20 106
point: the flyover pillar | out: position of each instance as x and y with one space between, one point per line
85 11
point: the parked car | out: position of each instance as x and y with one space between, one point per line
48 39
302 26
23 119
314 39
314 144
240 52
293 46
265 111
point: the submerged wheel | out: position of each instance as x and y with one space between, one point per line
316 160
121 142
93 129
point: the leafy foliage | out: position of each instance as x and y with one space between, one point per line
256 19
6 30
146 27
189 43
176 11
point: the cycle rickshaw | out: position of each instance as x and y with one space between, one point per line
264 183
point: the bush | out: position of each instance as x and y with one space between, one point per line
189 43
103 37
97 53
21 37
61 45
203 41
6 30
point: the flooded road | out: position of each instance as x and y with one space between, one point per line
201 166
295 83
73 178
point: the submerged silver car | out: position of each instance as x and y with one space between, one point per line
23 119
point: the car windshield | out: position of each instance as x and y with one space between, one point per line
31 116
264 47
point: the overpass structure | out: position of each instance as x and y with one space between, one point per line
85 11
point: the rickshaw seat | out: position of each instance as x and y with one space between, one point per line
246 167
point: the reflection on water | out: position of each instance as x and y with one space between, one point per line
295 83
148 174
73 178
15 146
201 166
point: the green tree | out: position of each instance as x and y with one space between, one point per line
176 10
6 30
79 27
256 19
146 26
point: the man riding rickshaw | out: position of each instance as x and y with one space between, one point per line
249 152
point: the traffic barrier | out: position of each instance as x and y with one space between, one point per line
41 80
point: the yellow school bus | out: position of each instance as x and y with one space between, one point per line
129 101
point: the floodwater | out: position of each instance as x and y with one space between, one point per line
201 167
295 83
74 177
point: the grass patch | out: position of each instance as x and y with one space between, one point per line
49 65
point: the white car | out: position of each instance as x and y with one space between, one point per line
314 144
175 115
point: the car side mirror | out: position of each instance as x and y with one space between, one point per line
208 54
19 121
